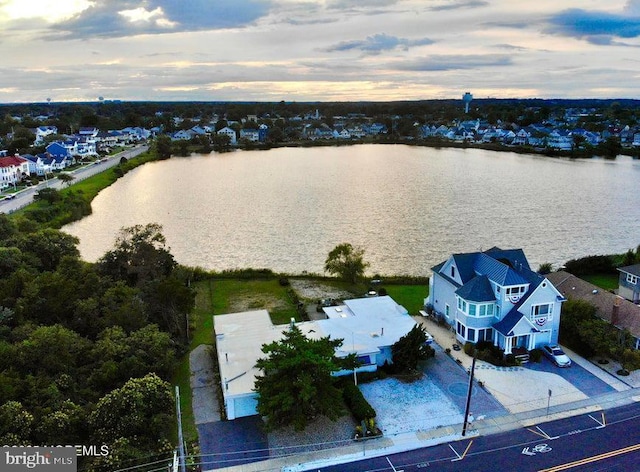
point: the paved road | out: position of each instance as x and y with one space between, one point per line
597 441
25 197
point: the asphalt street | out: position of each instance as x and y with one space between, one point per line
25 197
608 440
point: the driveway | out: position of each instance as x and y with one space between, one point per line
579 377
222 443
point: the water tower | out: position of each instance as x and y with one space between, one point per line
466 99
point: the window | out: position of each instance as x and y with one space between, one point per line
497 311
471 333
485 334
447 310
632 279
541 311
472 309
453 272
460 328
485 310
364 360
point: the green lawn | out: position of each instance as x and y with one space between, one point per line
233 296
604 281
409 296
202 333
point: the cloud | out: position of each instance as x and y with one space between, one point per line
377 43
460 5
117 18
597 26
445 62
349 4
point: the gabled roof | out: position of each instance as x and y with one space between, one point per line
573 287
477 290
498 271
465 263
504 267
11 161
632 269
507 325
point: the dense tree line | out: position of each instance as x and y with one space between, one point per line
86 348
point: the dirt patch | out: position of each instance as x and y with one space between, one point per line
322 433
256 302
313 291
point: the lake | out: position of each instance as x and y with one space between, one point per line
408 207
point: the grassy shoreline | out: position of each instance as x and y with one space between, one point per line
75 200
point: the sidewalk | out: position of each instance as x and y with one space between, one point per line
410 441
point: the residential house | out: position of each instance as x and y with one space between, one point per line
495 296
90 132
560 139
136 134
226 131
368 326
58 149
250 135
36 164
629 283
610 307
43 131
183 135
13 169
61 162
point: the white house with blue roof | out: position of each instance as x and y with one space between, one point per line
495 296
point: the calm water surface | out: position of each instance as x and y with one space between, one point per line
409 207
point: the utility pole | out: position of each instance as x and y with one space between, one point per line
183 465
466 410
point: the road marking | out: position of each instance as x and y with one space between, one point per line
588 460
602 423
540 432
460 457
394 469
538 448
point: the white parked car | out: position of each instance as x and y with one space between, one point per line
556 355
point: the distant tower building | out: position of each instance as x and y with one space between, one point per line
466 99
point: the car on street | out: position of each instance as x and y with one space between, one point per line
556 355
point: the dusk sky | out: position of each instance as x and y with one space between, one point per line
326 50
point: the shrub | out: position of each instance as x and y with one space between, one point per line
591 265
469 348
535 355
283 281
355 401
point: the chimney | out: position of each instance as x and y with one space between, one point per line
615 312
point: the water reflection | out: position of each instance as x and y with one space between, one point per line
409 207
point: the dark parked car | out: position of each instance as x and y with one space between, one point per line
556 355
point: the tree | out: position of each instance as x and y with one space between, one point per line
137 410
66 178
140 255
545 268
48 194
49 247
296 383
163 146
410 349
347 262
